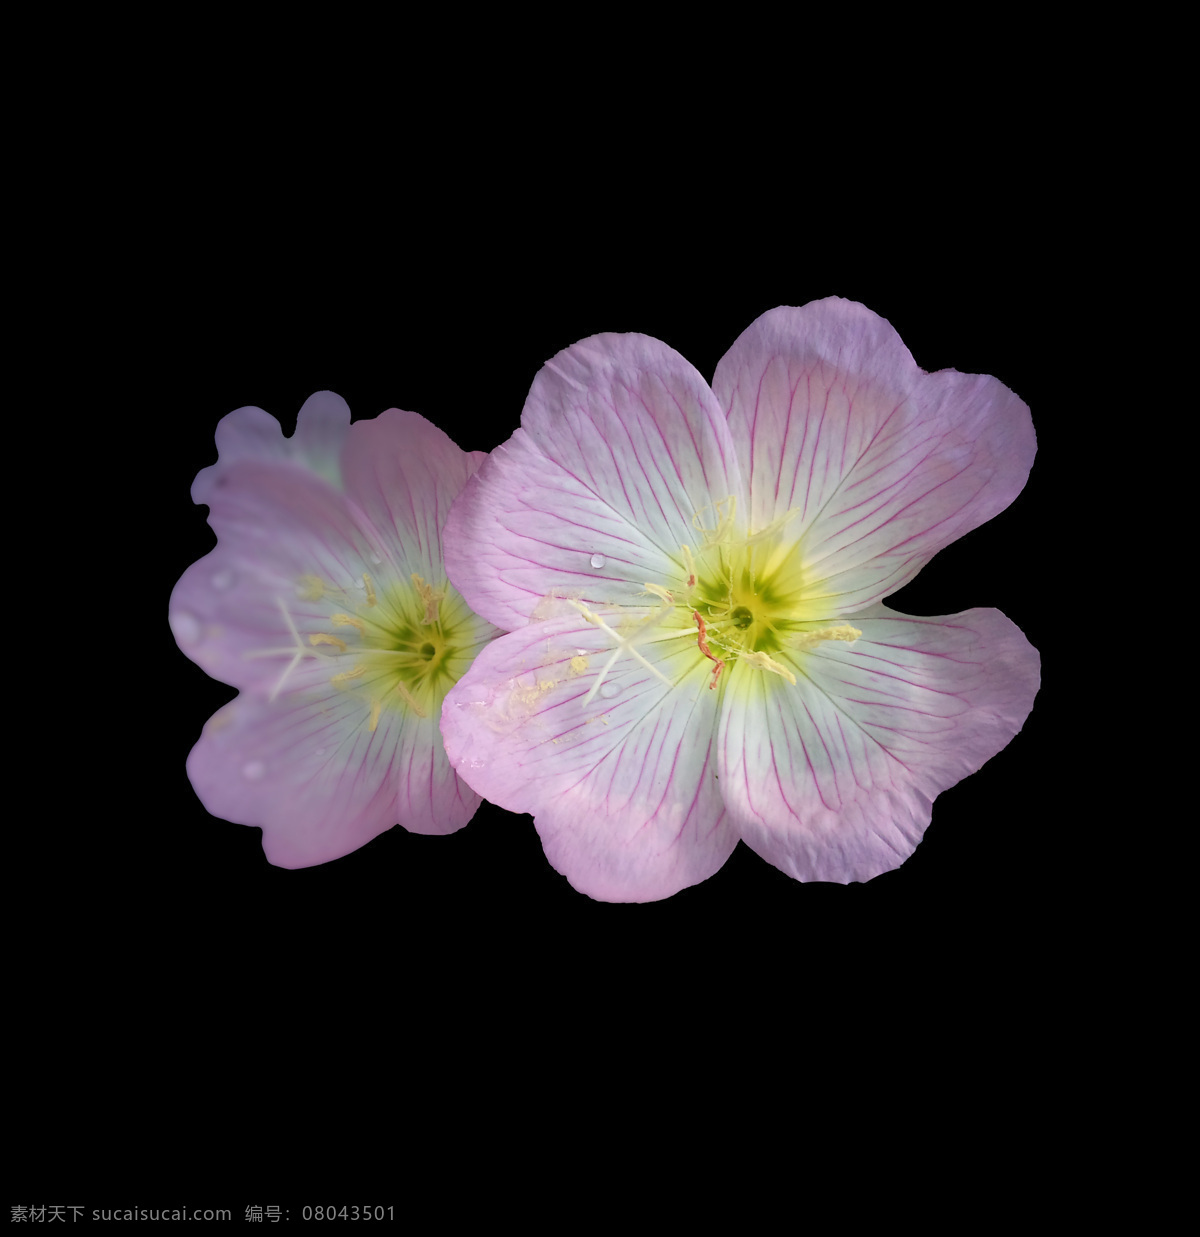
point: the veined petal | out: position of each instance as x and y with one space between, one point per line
883 463
250 434
403 473
286 544
833 779
622 789
308 769
622 448
326 601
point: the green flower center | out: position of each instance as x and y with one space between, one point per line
401 646
746 599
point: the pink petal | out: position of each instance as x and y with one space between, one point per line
884 463
306 768
833 779
254 435
621 445
622 789
297 561
403 473
276 525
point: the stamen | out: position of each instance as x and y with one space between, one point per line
347 620
661 593
810 639
763 662
724 526
371 599
774 526
356 673
310 588
690 563
321 637
374 715
407 697
430 596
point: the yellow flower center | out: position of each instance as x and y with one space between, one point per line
400 645
747 598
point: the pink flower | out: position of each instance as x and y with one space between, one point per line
693 580
325 602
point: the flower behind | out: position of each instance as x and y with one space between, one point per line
693 581
326 603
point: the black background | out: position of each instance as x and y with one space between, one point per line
438 280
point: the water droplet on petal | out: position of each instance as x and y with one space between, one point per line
223 580
597 560
609 690
185 626
252 770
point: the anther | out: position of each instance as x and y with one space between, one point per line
347 620
356 673
690 563
430 596
321 637
375 706
407 697
371 599
763 662
810 639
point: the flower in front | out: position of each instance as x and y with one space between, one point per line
326 603
693 578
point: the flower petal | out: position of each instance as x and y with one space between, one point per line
403 473
326 747
307 768
834 779
277 526
621 446
252 434
622 788
884 463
